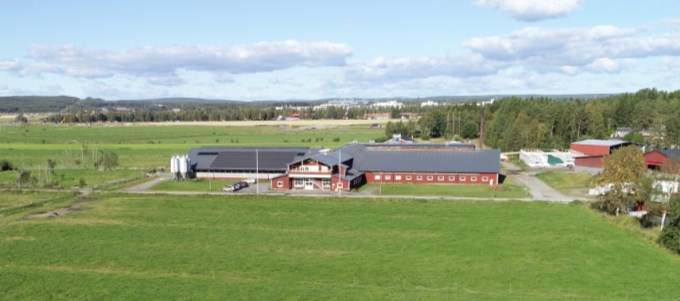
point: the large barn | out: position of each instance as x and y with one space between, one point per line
589 154
350 166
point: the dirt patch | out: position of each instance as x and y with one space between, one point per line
61 211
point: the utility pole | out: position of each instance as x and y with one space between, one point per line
257 171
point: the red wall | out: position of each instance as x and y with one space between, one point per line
370 178
590 161
654 158
590 149
286 182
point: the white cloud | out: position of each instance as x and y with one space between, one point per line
420 67
160 64
600 48
533 10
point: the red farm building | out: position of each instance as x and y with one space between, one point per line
350 166
588 154
656 159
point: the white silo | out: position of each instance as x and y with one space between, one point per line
173 165
188 166
183 166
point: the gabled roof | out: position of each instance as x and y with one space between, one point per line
671 153
459 161
326 159
246 158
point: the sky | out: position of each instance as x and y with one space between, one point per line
297 49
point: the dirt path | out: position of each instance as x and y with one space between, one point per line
146 185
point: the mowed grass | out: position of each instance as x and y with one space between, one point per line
567 182
506 190
13 199
70 178
200 185
255 248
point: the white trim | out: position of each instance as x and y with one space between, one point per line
279 184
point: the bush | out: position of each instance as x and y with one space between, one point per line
607 206
670 236
6 165
336 139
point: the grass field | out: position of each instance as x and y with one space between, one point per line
571 183
13 199
248 248
199 185
507 190
70 178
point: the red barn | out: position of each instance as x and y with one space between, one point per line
656 158
590 153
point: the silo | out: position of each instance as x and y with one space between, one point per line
173 166
188 166
183 166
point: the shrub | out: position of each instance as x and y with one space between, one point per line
5 165
670 236
336 139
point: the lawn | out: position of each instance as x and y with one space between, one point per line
567 182
254 248
507 190
199 185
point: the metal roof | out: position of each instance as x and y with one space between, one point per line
598 142
671 153
244 158
458 161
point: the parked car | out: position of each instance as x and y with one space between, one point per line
243 184
228 188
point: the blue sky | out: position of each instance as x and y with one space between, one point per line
258 50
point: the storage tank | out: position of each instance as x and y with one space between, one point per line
183 166
188 166
173 164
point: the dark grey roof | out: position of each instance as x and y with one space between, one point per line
421 146
244 158
424 161
327 159
671 153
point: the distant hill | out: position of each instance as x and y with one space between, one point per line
17 104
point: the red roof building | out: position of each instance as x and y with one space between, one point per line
589 154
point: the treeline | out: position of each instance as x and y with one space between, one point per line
38 104
515 123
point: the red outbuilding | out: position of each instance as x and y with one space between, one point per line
590 153
657 158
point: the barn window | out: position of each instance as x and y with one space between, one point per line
299 182
440 178
398 178
326 182
473 179
377 177
419 178
279 184
388 177
430 178
462 178
485 179
408 178
304 168
452 178
339 184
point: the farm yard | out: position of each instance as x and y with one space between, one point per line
112 245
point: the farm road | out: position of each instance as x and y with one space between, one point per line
537 188
146 185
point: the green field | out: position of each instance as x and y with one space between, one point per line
248 248
200 185
572 183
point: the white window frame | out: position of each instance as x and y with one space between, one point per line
485 179
473 179
419 178
304 168
440 178
299 182
409 178
388 177
326 182
452 178
339 184
376 177
462 178
397 178
430 178
279 184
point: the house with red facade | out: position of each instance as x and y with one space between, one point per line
589 154
656 159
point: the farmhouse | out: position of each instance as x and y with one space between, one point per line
588 154
349 166
657 158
